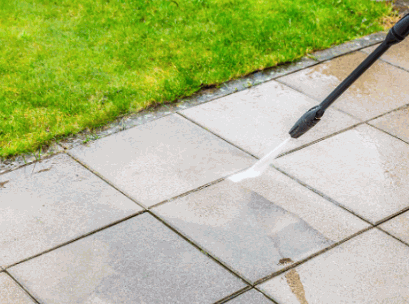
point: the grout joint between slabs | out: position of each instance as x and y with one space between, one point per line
234 295
197 246
390 217
265 294
215 134
22 287
219 180
106 181
386 132
391 235
326 197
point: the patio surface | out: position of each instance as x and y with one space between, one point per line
147 215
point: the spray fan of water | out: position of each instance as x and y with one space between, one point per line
259 167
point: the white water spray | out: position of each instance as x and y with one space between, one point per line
259 167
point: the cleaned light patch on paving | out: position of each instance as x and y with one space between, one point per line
380 89
49 203
162 159
137 261
396 55
261 225
251 297
11 293
259 119
398 227
363 169
395 123
370 268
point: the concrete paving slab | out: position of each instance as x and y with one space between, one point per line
53 202
370 268
11 293
259 119
260 225
398 227
396 55
137 261
380 89
395 123
363 169
162 159
251 297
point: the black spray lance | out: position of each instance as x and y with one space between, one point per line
313 115
395 35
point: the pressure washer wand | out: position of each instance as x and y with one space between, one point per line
395 35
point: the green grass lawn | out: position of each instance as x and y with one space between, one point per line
68 65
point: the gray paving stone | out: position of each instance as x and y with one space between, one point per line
137 261
261 225
260 118
11 293
370 268
162 159
363 169
380 89
251 297
52 202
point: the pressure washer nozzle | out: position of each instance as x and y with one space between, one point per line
307 121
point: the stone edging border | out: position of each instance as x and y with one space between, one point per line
201 97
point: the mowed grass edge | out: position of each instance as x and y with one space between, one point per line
70 65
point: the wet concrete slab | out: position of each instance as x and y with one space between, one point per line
395 123
162 159
370 268
363 169
11 293
137 261
380 89
49 203
251 297
396 55
261 225
259 119
398 227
